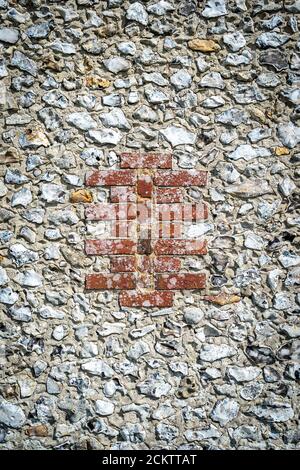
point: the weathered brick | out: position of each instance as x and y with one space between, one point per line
146 160
106 211
180 178
144 186
180 281
186 212
122 264
110 281
110 247
169 195
180 247
111 178
122 194
122 229
170 229
166 264
149 299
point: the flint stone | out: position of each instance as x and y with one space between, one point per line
22 62
105 136
232 117
23 197
192 315
176 135
247 152
273 411
276 59
215 352
225 411
99 368
136 12
9 35
22 314
214 9
212 80
115 118
243 374
8 296
266 40
116 64
63 47
49 312
38 31
289 134
11 415
82 121
235 41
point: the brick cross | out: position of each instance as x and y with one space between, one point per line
146 212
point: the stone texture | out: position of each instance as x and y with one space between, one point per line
202 100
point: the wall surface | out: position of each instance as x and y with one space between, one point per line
214 84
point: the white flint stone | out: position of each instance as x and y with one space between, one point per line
225 411
23 197
104 407
29 278
8 296
11 415
136 12
116 64
216 352
235 41
105 136
115 118
3 277
248 152
177 135
98 367
214 8
82 121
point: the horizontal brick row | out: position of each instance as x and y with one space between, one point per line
128 177
158 264
180 281
180 178
160 299
128 281
145 160
160 247
110 281
169 195
185 212
111 178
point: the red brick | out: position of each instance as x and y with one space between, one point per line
148 299
169 195
166 264
122 194
186 212
110 247
122 229
106 211
144 186
180 178
111 178
180 281
170 229
110 281
122 264
146 160
180 247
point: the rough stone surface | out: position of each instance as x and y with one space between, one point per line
216 84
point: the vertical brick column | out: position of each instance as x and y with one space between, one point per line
148 205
